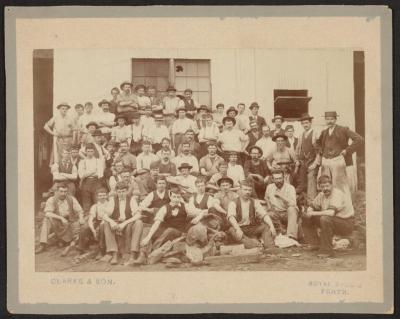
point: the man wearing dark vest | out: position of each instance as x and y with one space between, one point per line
170 222
257 170
254 135
254 107
63 216
190 104
116 231
309 158
200 203
336 151
249 219
65 172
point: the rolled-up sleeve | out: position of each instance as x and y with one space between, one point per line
260 211
161 214
231 210
337 201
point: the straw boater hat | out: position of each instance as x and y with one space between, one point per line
331 114
92 124
274 138
63 104
305 117
231 109
125 82
104 102
225 179
277 117
185 165
228 118
253 105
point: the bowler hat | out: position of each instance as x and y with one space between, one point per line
125 82
257 148
231 109
63 104
331 114
289 127
185 165
225 179
253 105
274 138
170 89
104 101
305 117
277 117
92 124
228 118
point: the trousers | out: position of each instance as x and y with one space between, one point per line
289 218
88 193
307 181
336 169
86 236
163 234
261 231
66 233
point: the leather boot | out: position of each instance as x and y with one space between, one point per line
114 259
141 260
41 249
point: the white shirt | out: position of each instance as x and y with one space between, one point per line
232 140
267 146
287 190
84 119
98 210
93 166
146 202
235 172
192 210
330 130
137 131
156 134
122 206
172 104
144 160
182 125
121 133
106 117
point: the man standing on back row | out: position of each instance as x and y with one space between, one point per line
336 151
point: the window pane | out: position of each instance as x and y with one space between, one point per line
162 83
204 84
138 68
139 80
204 98
203 68
191 68
151 81
192 83
180 83
151 68
163 68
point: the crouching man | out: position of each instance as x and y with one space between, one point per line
332 212
170 221
123 226
281 202
249 219
63 217
94 229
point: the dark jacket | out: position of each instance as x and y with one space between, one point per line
343 134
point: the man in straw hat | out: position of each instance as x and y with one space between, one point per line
337 152
277 121
105 119
248 219
62 127
308 155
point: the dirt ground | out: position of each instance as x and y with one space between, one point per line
297 259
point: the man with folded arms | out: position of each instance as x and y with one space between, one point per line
281 203
257 170
209 164
124 213
249 219
332 212
63 217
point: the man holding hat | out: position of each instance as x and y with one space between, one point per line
307 153
105 119
277 121
257 170
336 151
184 179
185 156
127 100
249 219
61 126
254 107
171 102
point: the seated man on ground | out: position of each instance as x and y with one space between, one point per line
122 227
223 197
249 219
63 217
257 170
93 230
185 180
170 221
281 203
332 212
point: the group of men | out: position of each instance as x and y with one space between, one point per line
144 170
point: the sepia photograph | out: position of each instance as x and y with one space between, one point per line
188 160
234 159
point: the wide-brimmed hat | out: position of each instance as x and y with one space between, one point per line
170 88
232 108
305 117
253 105
289 127
225 179
277 117
228 118
158 117
181 108
63 104
97 132
202 108
104 101
125 82
185 165
212 187
120 116
91 124
140 86
142 171
331 114
274 138
257 148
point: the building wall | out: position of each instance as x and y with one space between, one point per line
237 75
